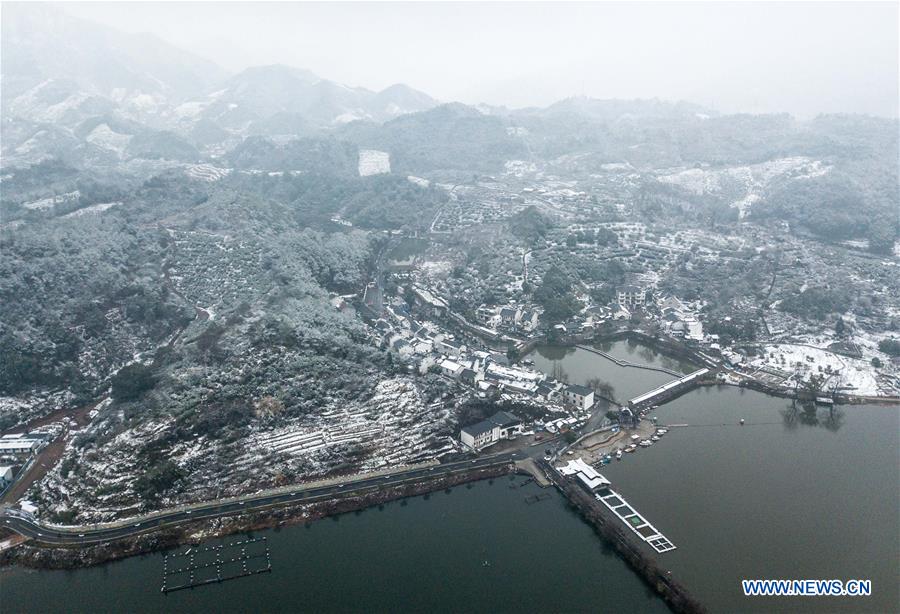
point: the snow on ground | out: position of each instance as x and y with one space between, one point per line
206 172
351 116
191 110
47 203
611 167
439 268
31 106
519 168
105 137
93 209
32 144
394 427
422 183
851 375
373 162
754 178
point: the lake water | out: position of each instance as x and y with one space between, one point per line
582 365
787 495
780 497
425 555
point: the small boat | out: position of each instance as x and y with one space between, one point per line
654 438
631 449
661 432
646 443
618 454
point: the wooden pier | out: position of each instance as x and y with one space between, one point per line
226 561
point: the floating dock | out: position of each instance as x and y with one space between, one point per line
214 564
594 483
634 521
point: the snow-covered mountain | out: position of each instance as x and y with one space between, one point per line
61 71
280 99
53 62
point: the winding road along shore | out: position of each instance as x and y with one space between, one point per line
303 493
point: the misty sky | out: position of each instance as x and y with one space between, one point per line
804 58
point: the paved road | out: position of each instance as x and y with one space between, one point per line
259 501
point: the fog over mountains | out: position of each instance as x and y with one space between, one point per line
246 277
60 68
82 91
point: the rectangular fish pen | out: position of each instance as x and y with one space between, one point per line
199 566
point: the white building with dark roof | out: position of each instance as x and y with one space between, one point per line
502 425
578 396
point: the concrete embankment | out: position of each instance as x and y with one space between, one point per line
529 467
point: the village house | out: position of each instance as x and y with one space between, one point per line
480 435
488 316
6 476
580 397
449 347
401 347
529 320
429 303
631 297
471 376
502 425
509 316
20 445
451 368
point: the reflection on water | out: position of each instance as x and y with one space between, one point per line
578 366
555 352
807 414
796 492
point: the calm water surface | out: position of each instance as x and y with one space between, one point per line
425 555
581 365
787 495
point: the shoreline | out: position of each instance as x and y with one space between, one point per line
31 555
678 351
676 596
46 558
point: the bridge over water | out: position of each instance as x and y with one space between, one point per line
625 363
667 390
